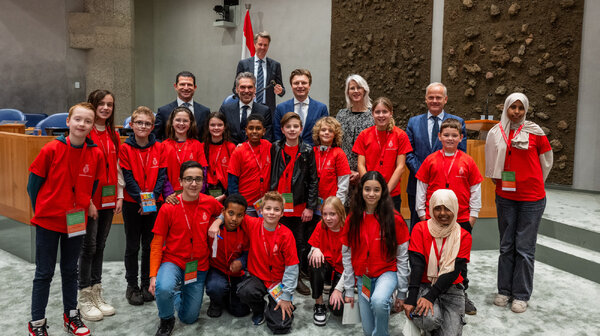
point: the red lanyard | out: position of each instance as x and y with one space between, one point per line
368 240
509 143
105 151
262 231
182 149
187 221
254 154
80 162
289 168
438 253
447 173
381 149
144 166
322 163
237 242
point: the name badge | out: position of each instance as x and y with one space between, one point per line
366 287
276 291
509 181
215 192
289 202
75 222
109 196
191 271
319 206
148 202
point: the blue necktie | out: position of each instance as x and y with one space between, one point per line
186 104
260 82
244 120
434 131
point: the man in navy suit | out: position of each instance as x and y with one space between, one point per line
265 70
309 109
237 111
185 86
422 133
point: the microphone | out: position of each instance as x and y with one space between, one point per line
271 84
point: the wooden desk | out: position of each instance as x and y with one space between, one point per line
13 128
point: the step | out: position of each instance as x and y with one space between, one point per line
582 237
569 257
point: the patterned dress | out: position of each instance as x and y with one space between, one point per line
352 124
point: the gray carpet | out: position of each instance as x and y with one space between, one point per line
562 304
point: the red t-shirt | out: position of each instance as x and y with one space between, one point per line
64 168
368 257
285 180
218 163
252 165
458 172
270 251
330 243
228 250
178 153
421 240
526 164
185 243
144 164
381 150
330 164
109 151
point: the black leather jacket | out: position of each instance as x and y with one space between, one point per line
305 180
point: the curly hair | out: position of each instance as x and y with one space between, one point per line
332 123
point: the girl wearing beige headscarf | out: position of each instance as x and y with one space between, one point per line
439 249
518 158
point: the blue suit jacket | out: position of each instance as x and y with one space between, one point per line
273 73
232 112
419 140
201 112
316 111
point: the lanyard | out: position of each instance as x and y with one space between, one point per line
447 173
80 162
322 163
368 240
381 149
187 221
288 168
260 167
438 253
237 242
509 143
144 166
105 151
262 232
182 149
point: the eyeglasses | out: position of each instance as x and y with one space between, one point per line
140 123
190 179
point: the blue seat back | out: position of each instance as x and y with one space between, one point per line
11 114
126 122
34 118
230 98
54 120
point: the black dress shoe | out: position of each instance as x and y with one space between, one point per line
302 288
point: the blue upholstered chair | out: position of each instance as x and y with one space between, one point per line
230 98
11 115
34 118
58 120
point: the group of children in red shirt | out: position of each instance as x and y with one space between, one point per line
261 240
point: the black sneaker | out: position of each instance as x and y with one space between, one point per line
469 306
146 295
320 315
166 327
258 319
38 328
302 288
134 296
74 325
214 310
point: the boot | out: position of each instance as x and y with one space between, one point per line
86 305
105 308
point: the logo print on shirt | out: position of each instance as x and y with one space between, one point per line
224 160
275 248
86 168
204 216
154 162
461 171
391 144
191 156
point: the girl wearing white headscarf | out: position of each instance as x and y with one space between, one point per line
439 249
518 159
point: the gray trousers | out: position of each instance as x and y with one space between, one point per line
448 312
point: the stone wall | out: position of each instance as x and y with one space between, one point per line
387 42
493 48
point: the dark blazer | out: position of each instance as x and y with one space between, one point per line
316 111
201 112
273 73
232 113
419 140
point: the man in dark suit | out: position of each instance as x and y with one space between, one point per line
265 71
309 109
422 133
237 111
185 86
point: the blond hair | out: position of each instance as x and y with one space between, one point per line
334 125
337 205
142 110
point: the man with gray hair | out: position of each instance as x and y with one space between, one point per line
237 111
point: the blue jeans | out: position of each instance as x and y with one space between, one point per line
375 314
518 223
222 291
46 249
92 250
172 294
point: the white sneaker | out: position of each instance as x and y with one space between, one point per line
518 306
501 300
105 308
86 306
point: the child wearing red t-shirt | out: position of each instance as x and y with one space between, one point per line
107 201
439 249
228 261
144 168
217 151
250 165
294 175
375 254
63 178
452 169
179 253
272 264
181 144
383 148
325 260
332 163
